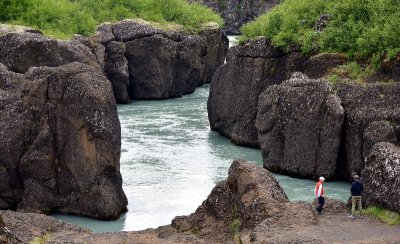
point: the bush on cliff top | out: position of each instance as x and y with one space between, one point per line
363 29
63 18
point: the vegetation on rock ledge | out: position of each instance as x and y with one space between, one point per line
366 30
62 18
386 216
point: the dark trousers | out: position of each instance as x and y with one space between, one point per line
321 202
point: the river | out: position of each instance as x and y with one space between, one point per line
171 160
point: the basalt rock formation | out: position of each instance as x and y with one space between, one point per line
372 116
236 13
60 133
249 70
381 176
248 196
145 62
299 126
251 87
22 48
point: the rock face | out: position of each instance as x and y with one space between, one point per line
116 68
249 195
372 115
20 50
381 176
144 62
249 70
60 142
299 126
371 110
23 227
237 13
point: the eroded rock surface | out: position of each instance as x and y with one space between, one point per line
234 91
160 64
249 195
372 115
23 48
299 126
381 176
60 142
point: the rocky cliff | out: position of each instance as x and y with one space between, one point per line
59 129
381 176
299 125
304 127
236 13
249 70
146 62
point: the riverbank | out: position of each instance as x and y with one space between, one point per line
248 207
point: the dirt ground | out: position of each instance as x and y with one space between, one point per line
302 224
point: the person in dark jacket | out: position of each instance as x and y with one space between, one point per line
356 192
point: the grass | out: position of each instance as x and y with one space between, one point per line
351 71
235 229
41 239
63 18
384 215
361 29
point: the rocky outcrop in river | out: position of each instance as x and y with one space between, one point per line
249 70
60 134
145 62
236 13
299 126
353 117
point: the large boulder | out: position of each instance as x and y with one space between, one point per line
22 48
248 196
381 176
236 13
299 126
60 142
235 87
162 67
250 68
372 115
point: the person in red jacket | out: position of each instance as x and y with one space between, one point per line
319 193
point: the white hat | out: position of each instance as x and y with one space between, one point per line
322 178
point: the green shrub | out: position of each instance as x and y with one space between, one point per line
352 70
62 18
235 230
41 239
363 29
386 216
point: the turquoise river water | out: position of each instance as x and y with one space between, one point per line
171 160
